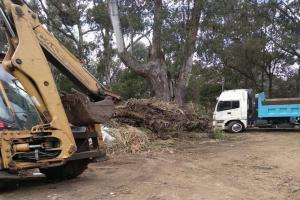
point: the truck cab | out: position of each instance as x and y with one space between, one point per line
232 110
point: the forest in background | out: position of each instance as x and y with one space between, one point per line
180 50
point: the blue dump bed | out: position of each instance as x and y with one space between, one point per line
265 110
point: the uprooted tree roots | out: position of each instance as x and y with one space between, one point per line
81 111
159 116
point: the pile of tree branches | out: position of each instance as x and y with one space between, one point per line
159 116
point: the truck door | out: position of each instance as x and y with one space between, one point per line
228 110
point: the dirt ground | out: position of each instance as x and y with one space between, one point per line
255 165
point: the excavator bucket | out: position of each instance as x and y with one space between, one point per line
82 112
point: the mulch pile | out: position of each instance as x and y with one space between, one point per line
159 116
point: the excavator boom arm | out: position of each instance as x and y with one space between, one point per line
61 57
68 64
31 49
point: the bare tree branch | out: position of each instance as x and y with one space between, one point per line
90 30
286 11
138 39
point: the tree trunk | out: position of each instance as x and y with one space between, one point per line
155 71
262 87
107 56
270 88
181 87
298 80
189 48
160 83
80 42
246 83
115 20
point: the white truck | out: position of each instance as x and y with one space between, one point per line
236 110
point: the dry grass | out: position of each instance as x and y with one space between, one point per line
128 139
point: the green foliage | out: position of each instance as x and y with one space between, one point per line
245 40
140 52
99 15
62 82
218 134
131 16
204 86
248 43
130 85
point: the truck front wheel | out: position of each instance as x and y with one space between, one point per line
235 127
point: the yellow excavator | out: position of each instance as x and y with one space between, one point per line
35 132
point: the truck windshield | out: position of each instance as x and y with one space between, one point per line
228 105
23 114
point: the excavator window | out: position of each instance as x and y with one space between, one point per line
5 114
24 112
